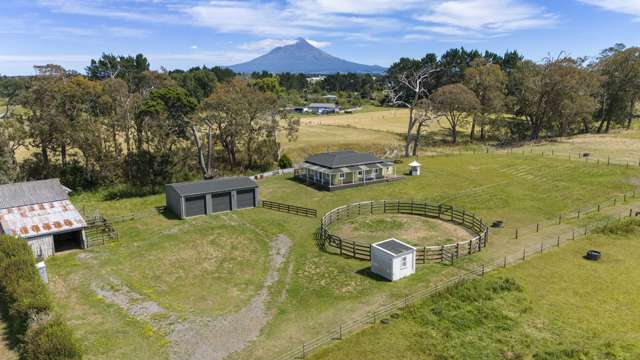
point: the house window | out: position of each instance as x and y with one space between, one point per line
341 175
376 171
403 262
359 172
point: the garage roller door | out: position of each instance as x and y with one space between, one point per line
195 206
246 199
221 202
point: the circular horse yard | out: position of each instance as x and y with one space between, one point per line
412 229
439 232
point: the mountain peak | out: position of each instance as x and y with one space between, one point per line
303 57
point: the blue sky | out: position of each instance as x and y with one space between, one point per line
184 33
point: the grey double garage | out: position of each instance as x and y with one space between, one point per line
211 196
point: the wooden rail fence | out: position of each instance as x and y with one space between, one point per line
290 209
424 254
373 317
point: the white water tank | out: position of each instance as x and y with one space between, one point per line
42 270
415 168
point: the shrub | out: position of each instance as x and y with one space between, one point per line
285 162
24 299
51 339
22 293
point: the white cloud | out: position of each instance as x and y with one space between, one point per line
481 18
194 47
359 7
412 37
268 44
630 7
126 32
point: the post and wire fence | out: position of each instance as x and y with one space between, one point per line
373 317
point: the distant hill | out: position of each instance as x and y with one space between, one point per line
302 57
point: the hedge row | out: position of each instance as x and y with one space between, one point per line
27 306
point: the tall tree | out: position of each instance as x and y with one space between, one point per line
488 82
456 103
620 70
409 82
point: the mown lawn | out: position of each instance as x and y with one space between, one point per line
555 306
214 265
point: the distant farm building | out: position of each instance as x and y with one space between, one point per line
322 108
204 197
40 212
333 98
393 259
343 169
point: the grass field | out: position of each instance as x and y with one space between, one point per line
414 230
209 266
556 306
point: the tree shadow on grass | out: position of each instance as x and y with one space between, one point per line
6 335
126 192
366 272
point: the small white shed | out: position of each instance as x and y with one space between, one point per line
415 168
393 259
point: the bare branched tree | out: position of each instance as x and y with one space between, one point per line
407 89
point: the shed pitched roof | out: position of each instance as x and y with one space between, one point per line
214 185
323 105
32 192
41 219
394 246
339 159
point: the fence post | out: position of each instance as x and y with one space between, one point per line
340 332
541 246
558 241
560 219
516 233
538 227
573 234
482 269
578 213
374 317
598 207
615 200
524 254
303 352
505 262
585 230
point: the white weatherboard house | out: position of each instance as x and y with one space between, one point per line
393 259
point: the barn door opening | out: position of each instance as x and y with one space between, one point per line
67 241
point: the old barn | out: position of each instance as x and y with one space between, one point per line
204 197
40 212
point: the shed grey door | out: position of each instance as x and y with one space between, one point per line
195 206
245 198
220 202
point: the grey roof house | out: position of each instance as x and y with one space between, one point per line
322 108
204 197
344 169
40 212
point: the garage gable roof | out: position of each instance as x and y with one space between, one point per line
394 246
339 159
213 186
32 192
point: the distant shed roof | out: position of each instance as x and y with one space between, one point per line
323 105
394 246
32 192
213 186
339 159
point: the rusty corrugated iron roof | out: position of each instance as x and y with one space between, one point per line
41 219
